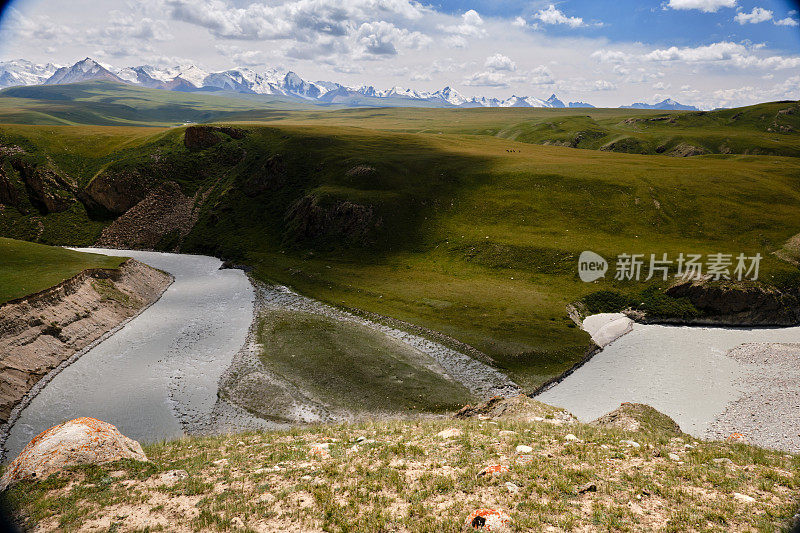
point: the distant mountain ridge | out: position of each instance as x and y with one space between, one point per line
667 104
190 78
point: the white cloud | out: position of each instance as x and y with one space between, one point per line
756 16
520 22
551 15
487 78
541 75
788 21
712 52
611 56
348 69
706 6
471 25
493 77
383 38
302 20
244 57
500 62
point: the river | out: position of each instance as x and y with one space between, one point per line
694 375
156 377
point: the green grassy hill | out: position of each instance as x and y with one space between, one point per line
107 103
26 267
436 217
450 232
768 129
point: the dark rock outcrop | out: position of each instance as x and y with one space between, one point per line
46 189
268 177
307 219
8 193
202 137
116 191
732 304
159 221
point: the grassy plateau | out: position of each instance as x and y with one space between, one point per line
26 267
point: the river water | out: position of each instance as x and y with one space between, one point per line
156 377
682 371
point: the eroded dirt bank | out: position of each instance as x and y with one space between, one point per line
42 330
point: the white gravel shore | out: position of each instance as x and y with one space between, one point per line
768 412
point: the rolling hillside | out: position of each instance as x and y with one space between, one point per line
463 232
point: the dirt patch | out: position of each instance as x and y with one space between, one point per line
39 332
686 150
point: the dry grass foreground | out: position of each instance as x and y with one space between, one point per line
424 475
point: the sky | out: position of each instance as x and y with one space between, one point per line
708 53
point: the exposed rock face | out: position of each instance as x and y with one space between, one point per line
733 303
8 193
46 189
629 145
158 222
352 223
361 171
77 442
201 137
117 191
40 331
639 417
686 150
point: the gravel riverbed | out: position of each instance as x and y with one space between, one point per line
768 411
298 405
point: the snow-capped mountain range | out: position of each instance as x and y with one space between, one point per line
269 82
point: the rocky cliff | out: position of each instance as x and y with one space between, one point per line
40 331
731 304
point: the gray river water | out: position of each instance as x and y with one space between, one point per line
682 371
157 376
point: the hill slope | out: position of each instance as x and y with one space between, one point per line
426 475
470 235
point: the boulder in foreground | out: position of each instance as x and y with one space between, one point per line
77 442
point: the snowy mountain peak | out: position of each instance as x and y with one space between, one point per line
668 104
23 72
189 77
85 70
554 101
